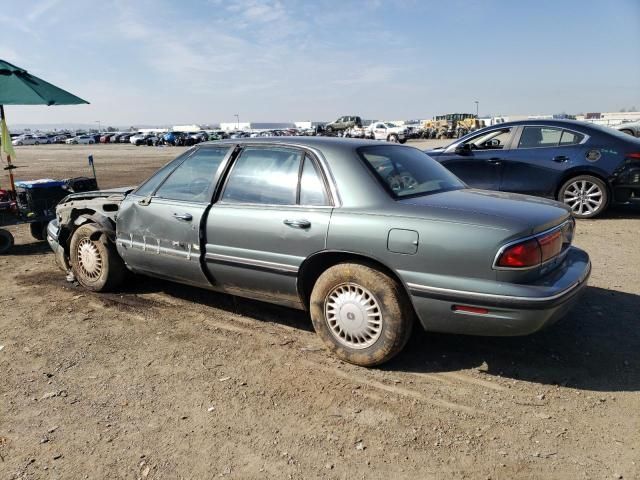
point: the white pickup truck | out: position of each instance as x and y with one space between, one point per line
387 131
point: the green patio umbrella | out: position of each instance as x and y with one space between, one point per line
19 87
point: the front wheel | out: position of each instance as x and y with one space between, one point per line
361 314
587 196
94 260
6 241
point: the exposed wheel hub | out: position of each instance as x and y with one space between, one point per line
353 315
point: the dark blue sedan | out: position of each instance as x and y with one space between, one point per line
586 166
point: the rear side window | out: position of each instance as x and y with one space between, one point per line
570 138
406 172
312 189
538 137
267 176
193 180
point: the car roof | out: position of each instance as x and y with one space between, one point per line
311 142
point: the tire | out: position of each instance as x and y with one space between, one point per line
392 138
403 141
38 230
19 144
94 260
329 129
6 241
375 293
586 195
37 143
91 142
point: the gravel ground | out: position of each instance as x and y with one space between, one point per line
166 381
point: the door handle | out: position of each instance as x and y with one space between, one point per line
298 223
561 158
187 217
494 161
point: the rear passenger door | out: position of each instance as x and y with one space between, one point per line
540 156
272 214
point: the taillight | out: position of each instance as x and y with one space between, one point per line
537 250
521 255
550 245
635 155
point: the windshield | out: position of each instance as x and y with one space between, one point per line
406 171
391 125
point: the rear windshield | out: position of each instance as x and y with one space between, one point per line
406 172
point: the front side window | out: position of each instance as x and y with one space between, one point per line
539 137
493 140
408 172
193 180
267 176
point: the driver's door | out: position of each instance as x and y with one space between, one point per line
159 234
480 164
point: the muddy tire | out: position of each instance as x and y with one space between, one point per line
6 241
94 260
38 230
362 314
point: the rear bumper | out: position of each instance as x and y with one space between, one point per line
508 313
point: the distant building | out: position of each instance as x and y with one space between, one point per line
609 118
232 126
187 128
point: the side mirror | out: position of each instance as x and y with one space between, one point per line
463 149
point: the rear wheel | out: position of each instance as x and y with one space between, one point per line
94 260
586 195
392 139
6 241
361 314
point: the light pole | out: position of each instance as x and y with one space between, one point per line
237 121
98 122
477 107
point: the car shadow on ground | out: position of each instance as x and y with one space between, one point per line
596 347
615 212
34 248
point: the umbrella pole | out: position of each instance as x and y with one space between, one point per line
9 167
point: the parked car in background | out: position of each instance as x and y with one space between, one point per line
343 123
25 140
387 131
630 128
365 236
586 166
81 139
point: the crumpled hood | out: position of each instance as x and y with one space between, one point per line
112 192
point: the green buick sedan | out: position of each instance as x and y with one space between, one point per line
370 238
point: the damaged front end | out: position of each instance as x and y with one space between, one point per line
99 207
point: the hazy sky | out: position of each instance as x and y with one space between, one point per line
199 61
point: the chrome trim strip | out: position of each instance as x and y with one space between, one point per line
282 267
493 296
530 237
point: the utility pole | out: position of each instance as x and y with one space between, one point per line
237 121
477 107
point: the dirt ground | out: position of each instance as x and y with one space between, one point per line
164 381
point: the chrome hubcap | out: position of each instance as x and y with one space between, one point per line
583 197
89 259
353 315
